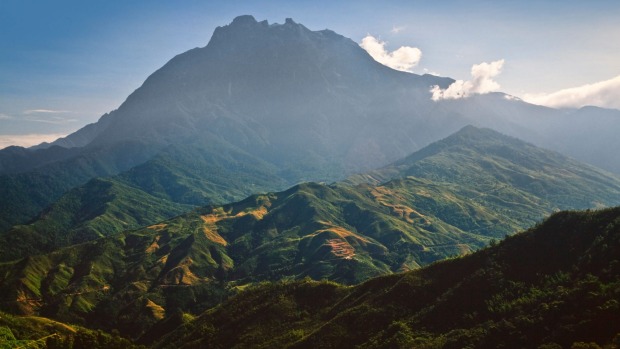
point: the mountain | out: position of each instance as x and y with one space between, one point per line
264 107
554 286
281 95
580 127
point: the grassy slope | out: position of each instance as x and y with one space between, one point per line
506 185
556 284
118 280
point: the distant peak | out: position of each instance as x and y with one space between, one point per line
472 133
470 128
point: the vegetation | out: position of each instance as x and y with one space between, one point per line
172 182
563 292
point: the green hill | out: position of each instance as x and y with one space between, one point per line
507 168
554 286
100 207
24 194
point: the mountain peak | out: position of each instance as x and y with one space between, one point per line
248 22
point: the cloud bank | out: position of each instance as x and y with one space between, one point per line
604 94
403 59
481 82
27 140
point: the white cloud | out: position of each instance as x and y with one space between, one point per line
604 94
481 82
44 111
5 117
403 59
27 140
47 116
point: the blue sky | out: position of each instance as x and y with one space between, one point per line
65 63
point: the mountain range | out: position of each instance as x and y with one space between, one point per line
475 181
448 199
